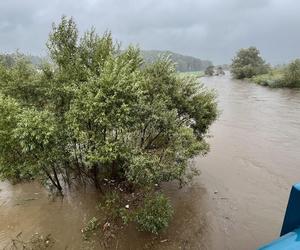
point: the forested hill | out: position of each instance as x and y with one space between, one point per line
184 63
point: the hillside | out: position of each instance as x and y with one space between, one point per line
184 63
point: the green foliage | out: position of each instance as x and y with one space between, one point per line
111 205
91 226
291 76
95 113
155 215
273 79
210 70
20 81
281 77
11 162
248 63
36 242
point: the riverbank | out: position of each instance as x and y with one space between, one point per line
281 77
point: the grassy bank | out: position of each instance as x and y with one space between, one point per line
274 79
283 77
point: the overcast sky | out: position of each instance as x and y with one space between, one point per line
208 29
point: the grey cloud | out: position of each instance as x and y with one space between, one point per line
211 29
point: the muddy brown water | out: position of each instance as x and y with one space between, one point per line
237 202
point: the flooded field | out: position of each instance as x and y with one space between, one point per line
237 202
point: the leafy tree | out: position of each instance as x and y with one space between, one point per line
248 63
93 114
210 70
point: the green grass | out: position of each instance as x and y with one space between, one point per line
273 79
191 73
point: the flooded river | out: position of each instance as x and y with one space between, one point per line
237 202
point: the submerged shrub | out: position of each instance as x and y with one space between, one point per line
35 242
111 205
90 228
95 113
155 214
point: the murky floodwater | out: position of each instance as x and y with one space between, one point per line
254 160
237 203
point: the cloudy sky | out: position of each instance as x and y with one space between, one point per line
209 29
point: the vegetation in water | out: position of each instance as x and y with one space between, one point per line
96 114
92 225
36 242
155 214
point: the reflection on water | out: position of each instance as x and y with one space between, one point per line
237 202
